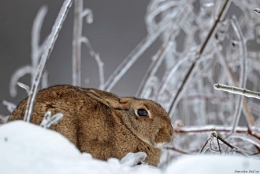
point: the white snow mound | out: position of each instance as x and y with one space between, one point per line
28 148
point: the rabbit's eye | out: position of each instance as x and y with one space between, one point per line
142 112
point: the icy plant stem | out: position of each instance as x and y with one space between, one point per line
240 91
257 11
98 60
37 49
242 80
211 128
25 87
134 55
46 53
246 109
202 49
155 64
77 32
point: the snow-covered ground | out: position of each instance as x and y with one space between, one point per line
27 148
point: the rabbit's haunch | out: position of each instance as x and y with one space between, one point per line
101 123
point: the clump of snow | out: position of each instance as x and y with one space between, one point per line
131 159
28 148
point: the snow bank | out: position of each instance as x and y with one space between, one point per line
27 148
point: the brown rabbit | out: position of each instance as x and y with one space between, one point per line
101 123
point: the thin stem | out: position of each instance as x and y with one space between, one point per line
240 91
203 149
100 63
134 55
221 139
46 53
177 150
202 49
210 128
243 61
76 44
257 11
246 109
155 64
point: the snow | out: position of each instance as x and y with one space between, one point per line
27 148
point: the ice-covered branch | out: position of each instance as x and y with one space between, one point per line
10 106
16 76
36 32
211 128
157 60
36 52
3 119
135 54
49 120
235 90
192 67
77 31
25 87
79 14
46 53
257 10
98 60
243 62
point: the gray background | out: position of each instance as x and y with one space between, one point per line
117 28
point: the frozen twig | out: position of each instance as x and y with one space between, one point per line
240 91
46 53
77 32
16 76
3 119
247 137
243 62
211 128
200 52
154 66
10 106
35 53
79 14
37 49
25 87
257 11
205 147
49 120
177 150
209 144
98 60
135 54
246 109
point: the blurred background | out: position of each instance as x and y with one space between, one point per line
117 28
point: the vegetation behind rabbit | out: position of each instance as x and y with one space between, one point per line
103 124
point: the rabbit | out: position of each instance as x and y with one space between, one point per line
101 123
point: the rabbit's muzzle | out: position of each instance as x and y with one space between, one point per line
163 137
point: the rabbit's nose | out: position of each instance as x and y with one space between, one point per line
171 132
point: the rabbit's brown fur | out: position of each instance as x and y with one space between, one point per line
101 123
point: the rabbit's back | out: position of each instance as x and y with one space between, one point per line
91 125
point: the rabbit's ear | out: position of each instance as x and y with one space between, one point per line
119 103
110 99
